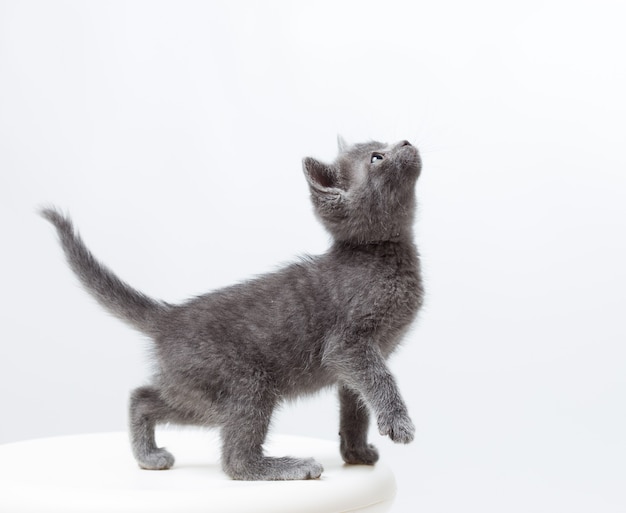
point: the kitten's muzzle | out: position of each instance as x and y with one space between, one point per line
409 155
405 147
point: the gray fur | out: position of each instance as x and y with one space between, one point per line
229 357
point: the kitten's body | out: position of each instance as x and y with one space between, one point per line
228 358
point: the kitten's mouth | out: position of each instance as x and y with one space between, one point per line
408 149
411 157
406 146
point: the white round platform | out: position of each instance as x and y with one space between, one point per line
97 473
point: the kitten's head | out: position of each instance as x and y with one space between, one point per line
368 193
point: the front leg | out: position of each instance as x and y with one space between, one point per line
243 436
364 370
353 425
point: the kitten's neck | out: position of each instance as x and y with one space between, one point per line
397 237
391 244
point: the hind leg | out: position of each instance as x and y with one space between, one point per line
147 409
242 452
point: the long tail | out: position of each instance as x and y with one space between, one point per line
117 297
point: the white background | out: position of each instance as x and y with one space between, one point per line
173 133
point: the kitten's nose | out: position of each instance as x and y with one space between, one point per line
404 143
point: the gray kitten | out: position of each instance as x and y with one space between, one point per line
229 357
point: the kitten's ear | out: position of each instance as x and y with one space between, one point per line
322 178
342 145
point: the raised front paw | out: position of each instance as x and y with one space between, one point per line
399 428
359 455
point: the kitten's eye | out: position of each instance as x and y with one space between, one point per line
375 157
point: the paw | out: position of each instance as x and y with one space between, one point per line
399 428
290 469
361 455
307 469
275 469
156 460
